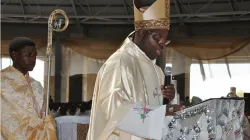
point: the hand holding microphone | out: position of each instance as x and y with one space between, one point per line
168 92
167 89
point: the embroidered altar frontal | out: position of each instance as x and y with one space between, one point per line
214 119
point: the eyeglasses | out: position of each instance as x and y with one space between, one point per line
157 37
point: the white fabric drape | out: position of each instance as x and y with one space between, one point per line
67 126
79 64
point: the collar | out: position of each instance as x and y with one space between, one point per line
12 69
131 48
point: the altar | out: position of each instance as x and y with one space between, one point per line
213 119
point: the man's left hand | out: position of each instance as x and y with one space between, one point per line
171 109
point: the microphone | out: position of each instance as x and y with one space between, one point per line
168 73
167 81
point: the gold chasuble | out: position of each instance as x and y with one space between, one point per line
21 102
127 77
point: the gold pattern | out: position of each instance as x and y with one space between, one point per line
21 102
82 131
152 24
115 133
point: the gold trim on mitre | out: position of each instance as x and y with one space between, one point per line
154 17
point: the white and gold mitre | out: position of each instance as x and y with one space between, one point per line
154 17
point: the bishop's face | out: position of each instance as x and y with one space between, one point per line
154 42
